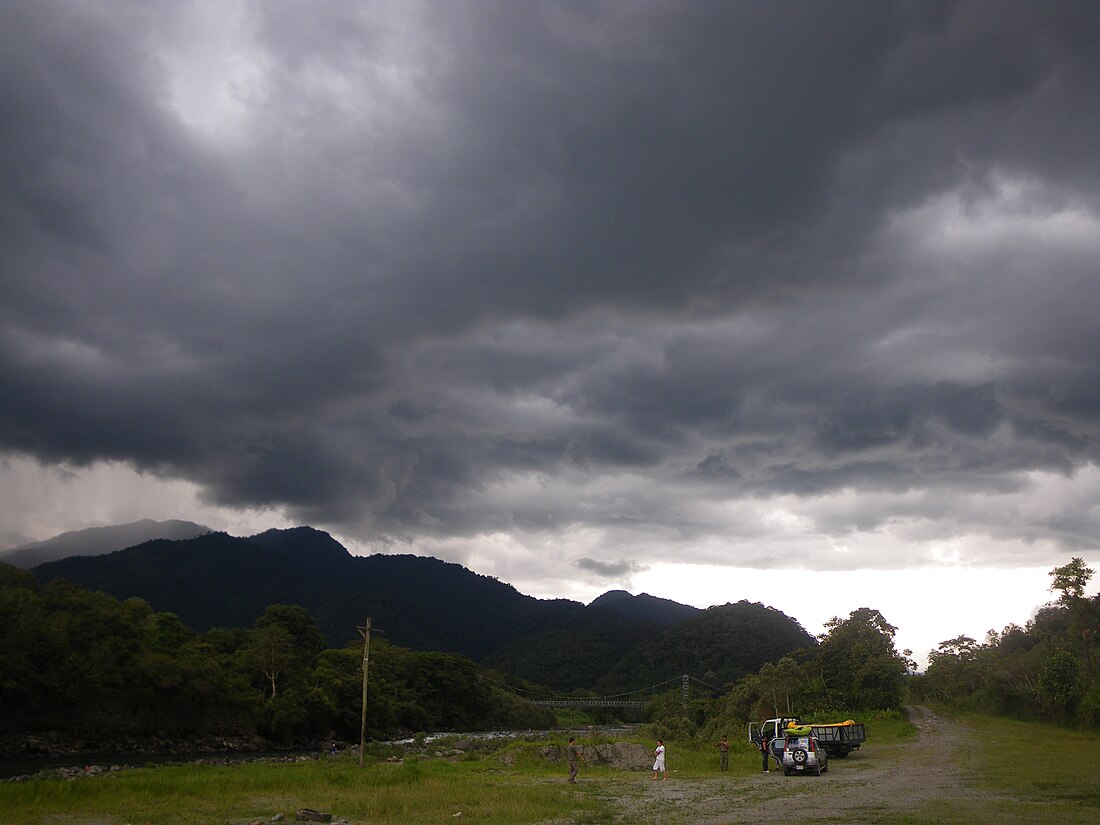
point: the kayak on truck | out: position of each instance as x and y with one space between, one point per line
838 739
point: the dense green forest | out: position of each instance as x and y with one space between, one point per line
1046 668
86 663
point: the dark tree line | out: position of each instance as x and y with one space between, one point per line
1045 668
86 663
1048 668
855 666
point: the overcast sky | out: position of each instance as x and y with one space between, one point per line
676 297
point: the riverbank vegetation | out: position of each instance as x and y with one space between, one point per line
94 668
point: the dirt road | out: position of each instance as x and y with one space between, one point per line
875 780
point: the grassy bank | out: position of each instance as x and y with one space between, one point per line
411 791
1011 772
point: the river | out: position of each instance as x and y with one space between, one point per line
25 765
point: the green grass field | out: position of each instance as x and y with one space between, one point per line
412 791
1013 772
1023 772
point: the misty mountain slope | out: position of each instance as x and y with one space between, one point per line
96 541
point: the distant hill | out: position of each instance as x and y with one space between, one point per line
644 608
612 654
217 580
96 541
719 645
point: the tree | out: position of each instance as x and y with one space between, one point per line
271 651
306 636
284 645
860 667
1058 681
953 669
1070 581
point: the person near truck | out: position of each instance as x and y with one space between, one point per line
724 753
765 742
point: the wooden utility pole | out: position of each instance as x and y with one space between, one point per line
365 633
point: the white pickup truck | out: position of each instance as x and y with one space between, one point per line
838 739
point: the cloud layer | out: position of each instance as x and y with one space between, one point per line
574 286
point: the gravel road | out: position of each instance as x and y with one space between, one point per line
872 781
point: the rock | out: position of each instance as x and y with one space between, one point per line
631 757
310 815
278 818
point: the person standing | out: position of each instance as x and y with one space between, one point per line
573 756
764 749
724 753
659 760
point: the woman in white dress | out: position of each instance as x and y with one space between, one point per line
659 760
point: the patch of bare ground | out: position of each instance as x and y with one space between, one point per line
875 781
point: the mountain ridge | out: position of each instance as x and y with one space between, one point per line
97 541
422 603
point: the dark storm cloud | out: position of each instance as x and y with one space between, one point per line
383 265
610 569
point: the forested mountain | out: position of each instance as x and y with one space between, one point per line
720 645
96 541
611 654
217 580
